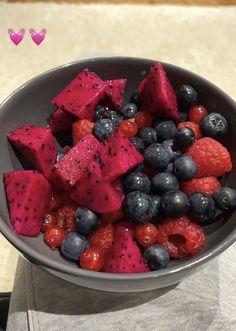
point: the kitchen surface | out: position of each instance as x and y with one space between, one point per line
201 39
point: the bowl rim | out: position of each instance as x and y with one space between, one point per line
47 262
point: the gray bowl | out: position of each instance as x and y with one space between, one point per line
30 104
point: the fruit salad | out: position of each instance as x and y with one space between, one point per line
121 187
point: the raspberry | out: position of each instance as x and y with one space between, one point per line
193 126
197 113
92 259
103 237
80 129
54 236
207 185
129 127
65 216
49 221
143 119
181 237
112 217
211 158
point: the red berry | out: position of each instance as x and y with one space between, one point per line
57 200
65 216
181 237
197 113
143 119
80 129
54 236
146 234
212 159
206 185
92 259
103 237
193 126
112 217
48 221
122 227
129 127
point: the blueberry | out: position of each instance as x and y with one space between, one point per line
225 198
187 97
137 181
138 144
156 257
148 135
138 207
164 182
171 149
184 137
156 156
155 204
214 125
184 168
86 221
165 130
202 207
174 204
103 129
73 246
100 112
114 116
169 169
129 110
135 98
139 168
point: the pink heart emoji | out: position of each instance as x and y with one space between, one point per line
38 37
16 38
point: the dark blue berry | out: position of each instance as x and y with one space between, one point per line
148 135
184 137
202 207
86 221
169 169
225 198
137 207
73 246
187 97
157 156
139 168
129 110
114 116
184 168
137 181
100 112
214 125
171 149
165 130
138 144
156 257
103 129
135 98
164 182
155 204
174 204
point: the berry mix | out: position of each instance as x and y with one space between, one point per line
133 185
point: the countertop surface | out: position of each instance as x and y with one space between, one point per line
200 39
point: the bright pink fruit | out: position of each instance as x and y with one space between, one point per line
125 256
114 93
60 121
37 145
81 95
28 197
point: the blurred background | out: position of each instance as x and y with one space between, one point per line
196 34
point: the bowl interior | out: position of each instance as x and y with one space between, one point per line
30 104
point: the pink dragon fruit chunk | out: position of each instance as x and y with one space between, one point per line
92 192
157 95
119 157
37 145
70 168
125 256
28 197
81 95
60 120
114 93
